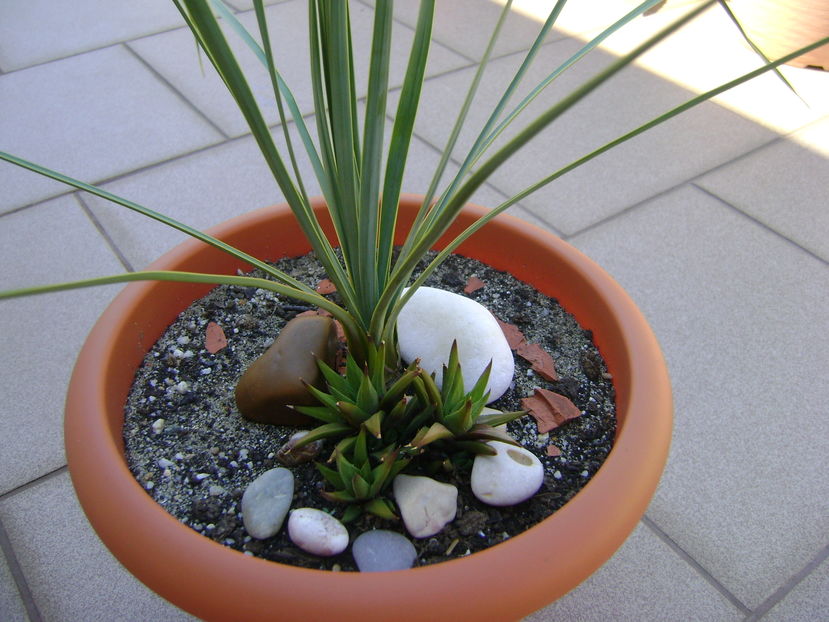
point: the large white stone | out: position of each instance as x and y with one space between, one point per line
425 505
266 502
433 318
317 532
509 477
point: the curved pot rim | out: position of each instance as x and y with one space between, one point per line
218 583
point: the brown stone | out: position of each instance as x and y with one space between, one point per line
275 380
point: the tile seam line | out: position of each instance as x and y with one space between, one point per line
33 482
104 233
699 568
19 577
104 46
784 590
759 223
126 45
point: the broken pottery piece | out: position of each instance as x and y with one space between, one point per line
275 380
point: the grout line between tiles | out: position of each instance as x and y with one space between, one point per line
32 483
759 223
172 88
19 578
788 586
701 570
104 233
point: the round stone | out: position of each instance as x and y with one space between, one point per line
509 477
433 318
266 501
317 532
380 550
426 505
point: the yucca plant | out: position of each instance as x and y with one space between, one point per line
361 183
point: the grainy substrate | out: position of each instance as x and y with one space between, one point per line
198 459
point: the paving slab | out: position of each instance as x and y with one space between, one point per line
40 336
91 116
654 162
467 25
737 310
784 185
11 605
213 185
644 580
75 27
809 600
175 57
71 574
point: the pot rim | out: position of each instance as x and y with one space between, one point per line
533 568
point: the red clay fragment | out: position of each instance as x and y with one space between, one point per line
553 451
549 409
514 336
325 286
214 338
542 362
473 285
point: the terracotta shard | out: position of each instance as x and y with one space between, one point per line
553 451
542 362
214 338
513 335
325 286
276 379
549 409
473 285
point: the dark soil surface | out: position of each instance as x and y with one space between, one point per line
192 451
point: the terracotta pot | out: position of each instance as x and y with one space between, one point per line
504 582
779 27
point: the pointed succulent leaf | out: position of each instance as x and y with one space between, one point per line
382 508
352 413
324 431
437 431
334 380
321 396
360 487
479 390
397 390
331 476
352 512
321 413
433 395
367 398
496 419
338 496
360 448
480 432
374 424
347 472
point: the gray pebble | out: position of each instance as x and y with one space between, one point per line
266 501
380 550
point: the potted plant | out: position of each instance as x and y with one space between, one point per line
365 215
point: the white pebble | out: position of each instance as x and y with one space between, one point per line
317 532
433 318
201 476
183 387
509 477
158 426
183 340
164 463
426 505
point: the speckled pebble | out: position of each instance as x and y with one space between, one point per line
266 502
317 532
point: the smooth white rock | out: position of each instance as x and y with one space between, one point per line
426 505
266 502
380 550
433 318
510 476
317 532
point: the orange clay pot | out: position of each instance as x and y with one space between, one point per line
505 582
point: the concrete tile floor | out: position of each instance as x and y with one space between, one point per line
715 223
